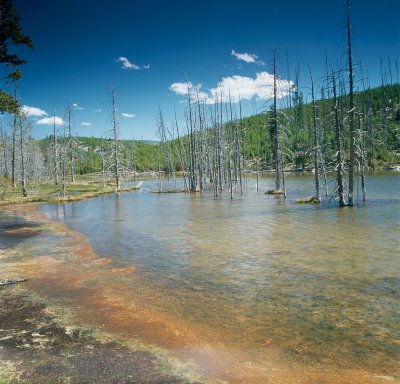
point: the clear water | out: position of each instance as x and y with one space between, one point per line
320 279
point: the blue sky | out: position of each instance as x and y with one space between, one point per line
148 48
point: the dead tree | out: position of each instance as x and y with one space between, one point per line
274 127
316 143
115 136
352 136
4 144
55 151
338 140
180 154
384 112
14 151
70 141
24 126
361 156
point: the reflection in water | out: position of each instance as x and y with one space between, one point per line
320 284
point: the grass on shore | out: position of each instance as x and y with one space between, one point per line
54 193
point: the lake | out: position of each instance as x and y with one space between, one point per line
308 284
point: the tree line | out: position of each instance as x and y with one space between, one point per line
216 146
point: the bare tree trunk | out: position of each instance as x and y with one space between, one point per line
361 157
55 150
115 135
316 143
4 142
103 165
14 138
70 143
201 143
275 131
192 145
180 155
384 114
351 112
338 139
63 160
370 140
14 153
21 143
239 146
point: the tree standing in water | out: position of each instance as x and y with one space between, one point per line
115 136
274 131
352 136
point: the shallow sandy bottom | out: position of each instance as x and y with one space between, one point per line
115 303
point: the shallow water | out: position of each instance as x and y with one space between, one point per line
320 285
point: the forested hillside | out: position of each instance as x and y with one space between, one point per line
378 118
223 144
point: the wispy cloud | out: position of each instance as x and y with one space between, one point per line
98 110
86 123
247 57
126 64
33 111
76 106
235 88
128 115
51 120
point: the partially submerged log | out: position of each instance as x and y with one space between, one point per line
308 200
170 191
275 192
12 281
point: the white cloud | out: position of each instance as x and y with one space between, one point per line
128 115
51 120
98 110
247 57
33 111
188 88
126 64
181 88
76 106
235 88
85 123
146 66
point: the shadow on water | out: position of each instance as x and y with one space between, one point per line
14 230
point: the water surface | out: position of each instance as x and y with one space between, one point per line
318 284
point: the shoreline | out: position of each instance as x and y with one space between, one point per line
86 292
